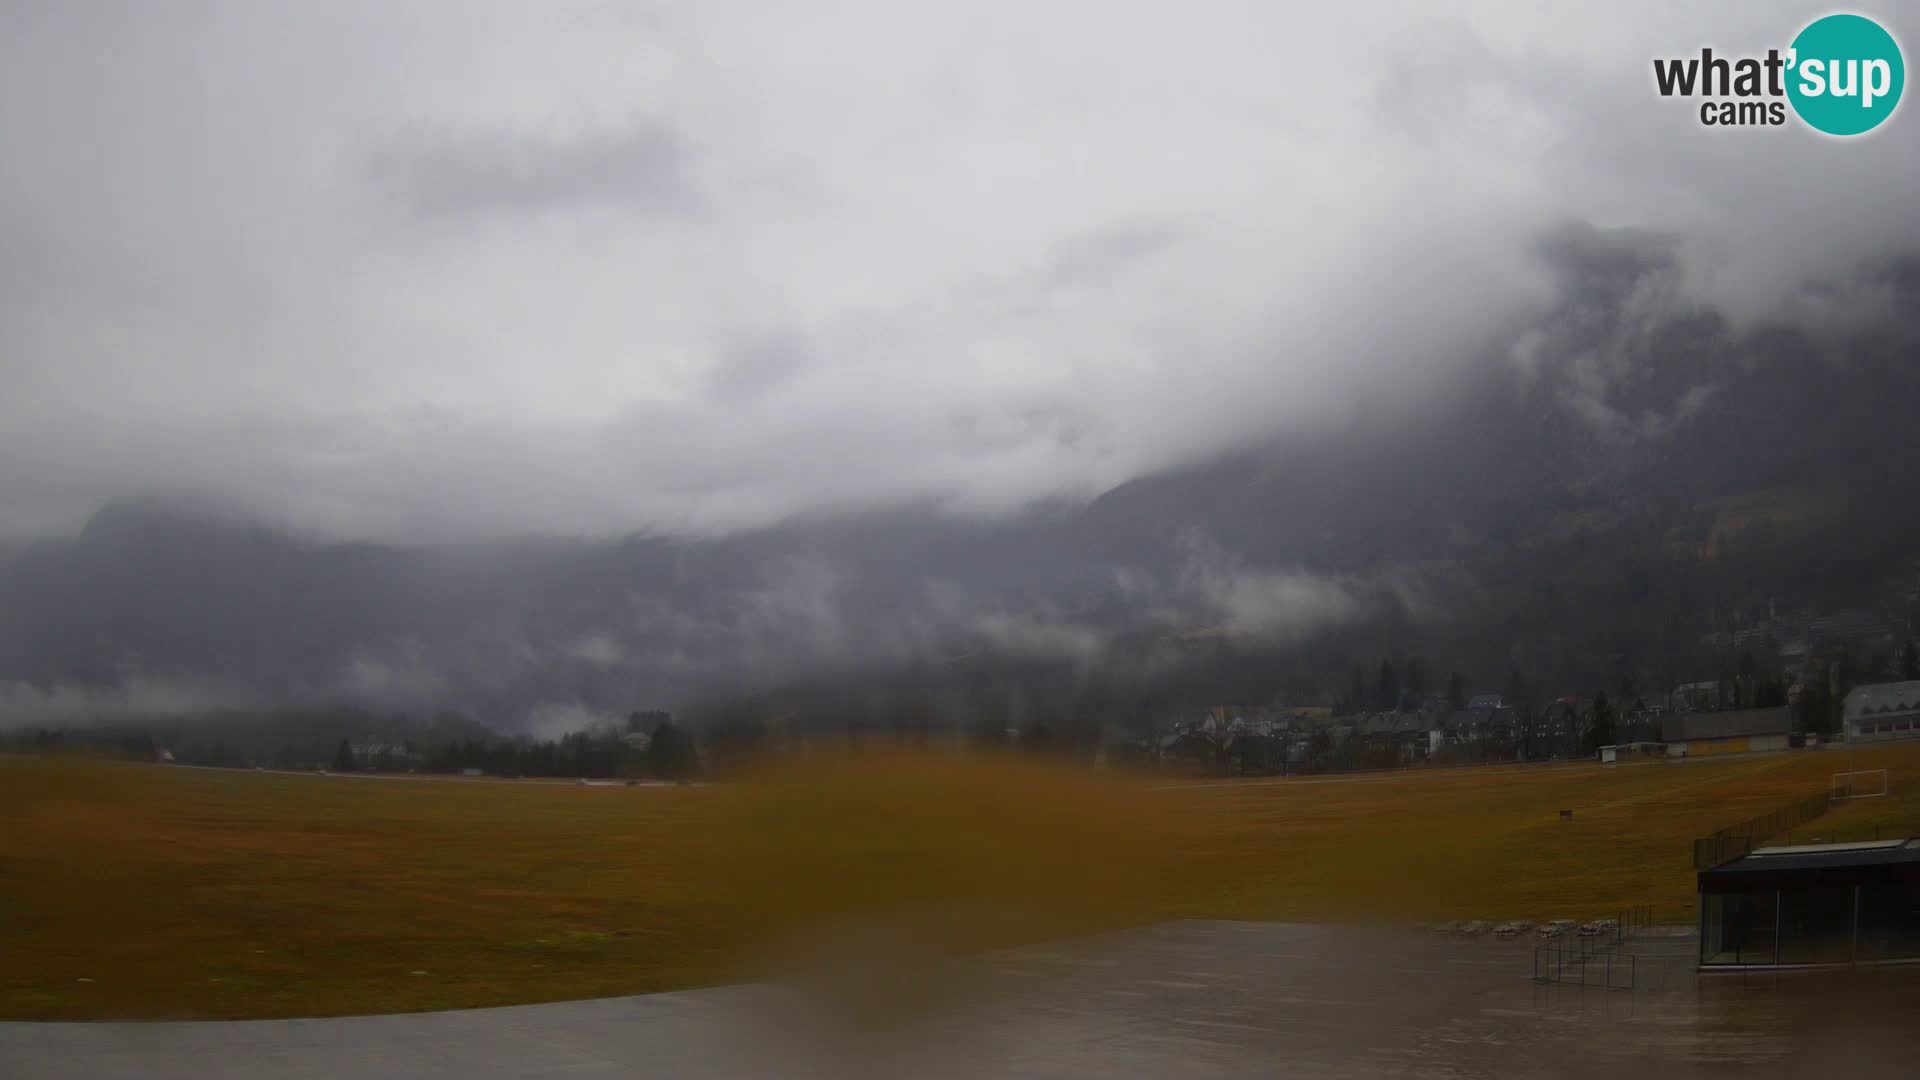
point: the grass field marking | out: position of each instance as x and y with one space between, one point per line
1381 776
1712 778
1462 772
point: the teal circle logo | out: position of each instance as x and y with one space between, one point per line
1846 75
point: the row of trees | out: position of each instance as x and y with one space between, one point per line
1394 688
651 745
668 752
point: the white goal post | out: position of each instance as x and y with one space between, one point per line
1863 784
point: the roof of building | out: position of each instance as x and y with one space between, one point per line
1821 856
1881 698
1799 863
1479 719
1857 623
1394 723
1827 849
1729 724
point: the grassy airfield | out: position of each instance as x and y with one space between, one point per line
134 891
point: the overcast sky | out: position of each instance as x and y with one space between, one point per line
427 272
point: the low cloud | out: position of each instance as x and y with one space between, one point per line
439 279
638 167
1040 636
1267 604
24 705
401 673
597 649
551 720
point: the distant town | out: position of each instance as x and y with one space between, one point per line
1789 682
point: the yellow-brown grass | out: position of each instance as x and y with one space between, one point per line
1897 813
200 893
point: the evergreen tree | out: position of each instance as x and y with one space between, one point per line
1389 687
672 751
1602 731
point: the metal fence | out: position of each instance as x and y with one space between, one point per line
1734 841
1604 967
1638 917
1593 956
1851 834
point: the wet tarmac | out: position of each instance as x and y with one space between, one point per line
1180 1000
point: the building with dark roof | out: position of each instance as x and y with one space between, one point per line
1812 905
1730 731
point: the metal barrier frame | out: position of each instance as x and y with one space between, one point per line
1551 964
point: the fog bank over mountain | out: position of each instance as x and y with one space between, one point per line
547 366
1548 510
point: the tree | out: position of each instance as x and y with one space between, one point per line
1820 702
343 757
139 746
671 751
1037 737
1518 692
1625 685
1601 733
1879 666
1771 693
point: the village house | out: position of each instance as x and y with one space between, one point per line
1558 731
